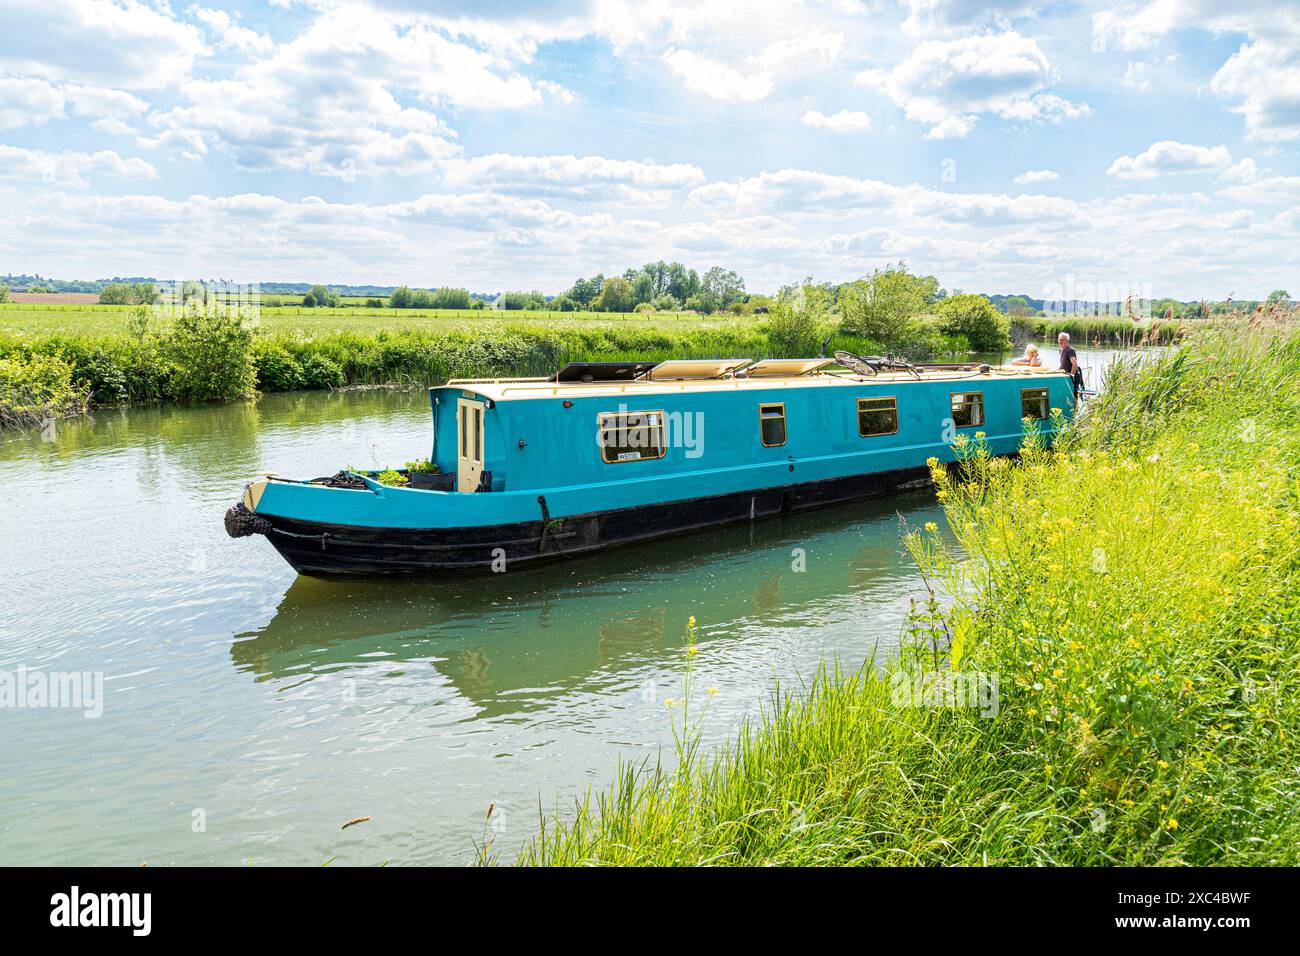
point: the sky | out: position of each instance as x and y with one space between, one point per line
1061 149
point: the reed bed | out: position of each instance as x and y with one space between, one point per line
1134 594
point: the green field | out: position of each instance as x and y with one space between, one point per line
38 319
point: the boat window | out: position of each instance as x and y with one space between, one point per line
877 416
631 436
1033 403
476 450
967 409
771 423
464 432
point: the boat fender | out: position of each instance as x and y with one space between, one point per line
240 522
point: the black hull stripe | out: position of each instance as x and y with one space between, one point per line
315 548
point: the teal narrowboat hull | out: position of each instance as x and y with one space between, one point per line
544 490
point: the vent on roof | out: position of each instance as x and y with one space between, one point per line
602 371
696 368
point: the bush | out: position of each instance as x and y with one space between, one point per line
977 319
37 388
799 321
122 293
318 296
277 370
883 306
4 294
211 355
373 303
320 372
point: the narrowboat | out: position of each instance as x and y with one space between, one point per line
524 470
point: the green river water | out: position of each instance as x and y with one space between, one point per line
248 713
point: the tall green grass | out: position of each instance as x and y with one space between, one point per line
1136 595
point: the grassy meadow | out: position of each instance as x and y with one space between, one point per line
1134 597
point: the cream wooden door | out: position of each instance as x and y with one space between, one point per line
469 449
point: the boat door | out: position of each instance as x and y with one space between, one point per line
469 450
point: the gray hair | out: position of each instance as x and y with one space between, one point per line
1063 335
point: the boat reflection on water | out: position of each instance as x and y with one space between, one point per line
507 642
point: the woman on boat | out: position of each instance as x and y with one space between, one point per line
1030 357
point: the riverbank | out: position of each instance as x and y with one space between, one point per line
1108 672
58 362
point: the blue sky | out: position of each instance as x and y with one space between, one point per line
1002 145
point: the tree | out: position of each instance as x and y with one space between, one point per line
115 293
4 293
615 296
1018 306
400 298
521 301
1278 296
318 296
882 306
584 291
143 294
448 298
975 317
721 288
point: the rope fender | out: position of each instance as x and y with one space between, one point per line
240 522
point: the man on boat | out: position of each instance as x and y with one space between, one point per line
1070 361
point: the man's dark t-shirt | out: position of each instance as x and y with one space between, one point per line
1068 357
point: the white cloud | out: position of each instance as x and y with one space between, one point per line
585 177
718 80
814 44
1037 176
1269 191
1169 158
230 34
69 168
113 126
98 101
31 100
28 100
845 121
1266 77
926 16
948 84
352 95
826 196
117 43
1264 74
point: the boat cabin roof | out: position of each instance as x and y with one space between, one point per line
594 379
